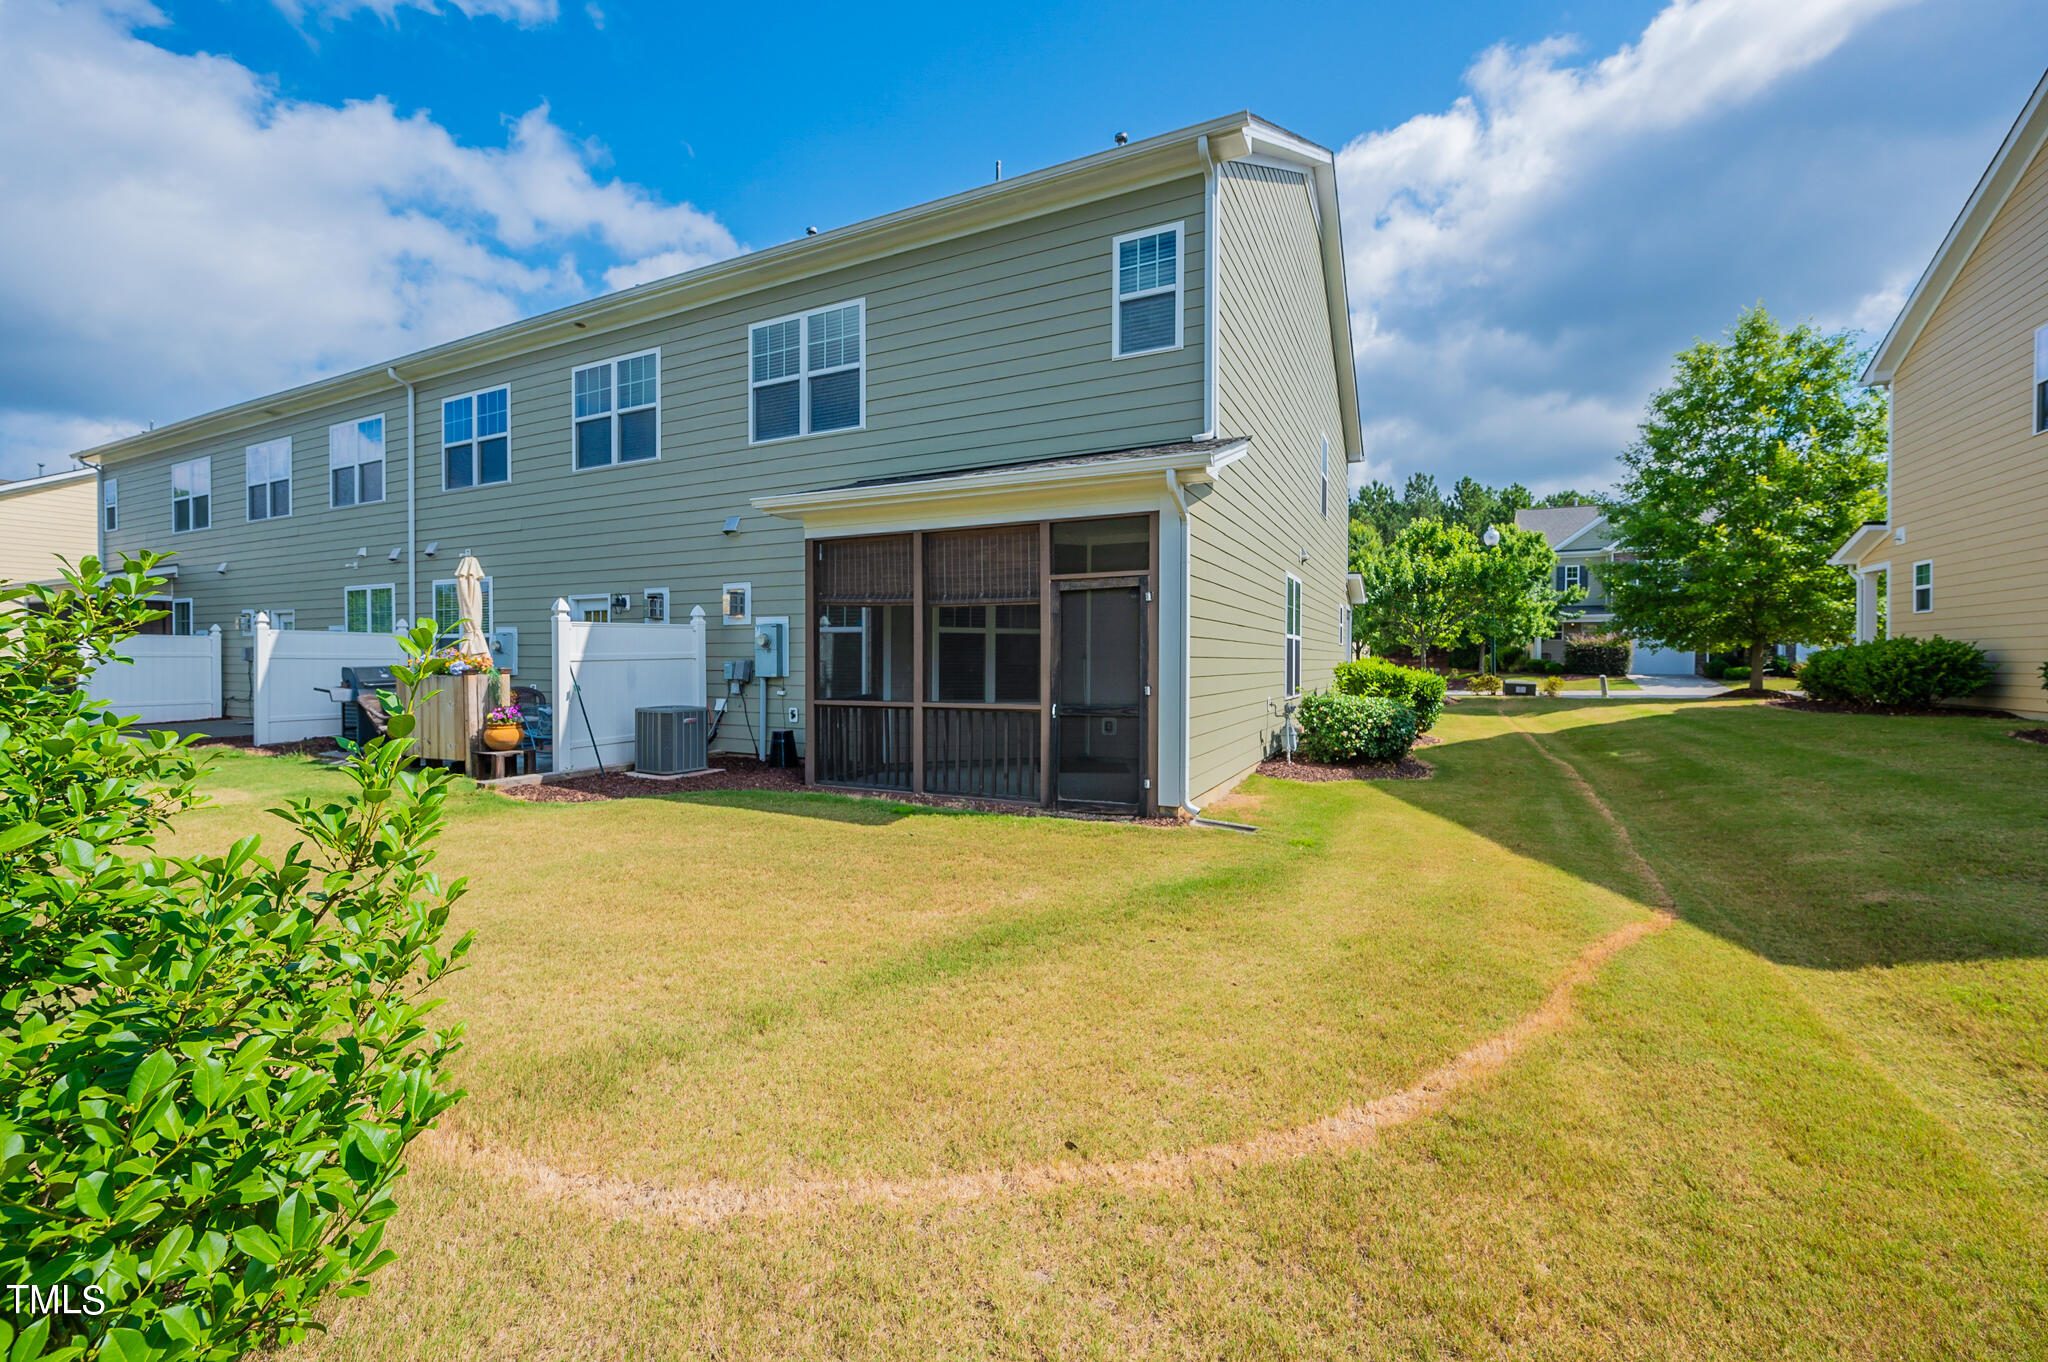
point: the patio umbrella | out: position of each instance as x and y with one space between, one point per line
469 599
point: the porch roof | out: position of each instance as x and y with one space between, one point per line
1182 463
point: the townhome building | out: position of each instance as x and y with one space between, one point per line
1963 551
1584 541
45 522
1048 477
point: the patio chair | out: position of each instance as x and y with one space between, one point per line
537 720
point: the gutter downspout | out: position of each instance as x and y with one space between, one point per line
1211 250
99 514
412 463
1187 646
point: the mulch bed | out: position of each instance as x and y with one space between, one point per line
2039 735
748 773
305 747
1315 772
1783 701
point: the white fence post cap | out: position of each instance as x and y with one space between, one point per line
561 610
262 620
696 612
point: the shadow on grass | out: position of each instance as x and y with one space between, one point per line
1824 841
832 808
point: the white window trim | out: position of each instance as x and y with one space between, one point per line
206 459
804 373
648 595
1574 576
1326 477
191 625
725 591
473 441
110 504
291 493
369 617
613 414
593 600
490 620
2040 377
1292 606
1180 286
282 620
383 481
1913 584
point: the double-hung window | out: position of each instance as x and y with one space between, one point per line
110 503
1574 578
618 410
355 462
270 478
1147 316
448 609
807 375
181 616
1326 477
191 495
1293 662
1923 587
2041 380
369 609
476 439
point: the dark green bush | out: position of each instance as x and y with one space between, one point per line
1341 728
1511 659
1733 674
1896 673
1422 691
210 1068
1597 656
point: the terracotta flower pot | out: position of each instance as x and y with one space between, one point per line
502 737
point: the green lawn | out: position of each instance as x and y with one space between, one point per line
1810 1120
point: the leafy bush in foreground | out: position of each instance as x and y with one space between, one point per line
1896 673
1342 728
1421 690
210 1068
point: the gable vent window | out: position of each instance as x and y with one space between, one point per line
270 479
806 374
355 462
476 440
110 503
1148 284
618 411
191 495
1923 587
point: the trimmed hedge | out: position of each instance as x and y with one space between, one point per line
1485 683
1734 674
1597 656
1341 729
1422 691
1896 673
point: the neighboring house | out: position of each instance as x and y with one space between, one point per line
1964 553
1048 475
1584 543
46 518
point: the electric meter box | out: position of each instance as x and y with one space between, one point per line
771 647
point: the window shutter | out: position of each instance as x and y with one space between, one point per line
1558 574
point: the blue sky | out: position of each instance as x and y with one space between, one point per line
1542 202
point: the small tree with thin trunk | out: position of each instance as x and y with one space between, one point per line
1419 589
1754 464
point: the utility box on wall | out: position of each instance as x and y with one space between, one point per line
771 647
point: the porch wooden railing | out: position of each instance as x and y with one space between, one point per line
982 751
866 745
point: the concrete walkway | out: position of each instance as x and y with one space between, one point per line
1665 688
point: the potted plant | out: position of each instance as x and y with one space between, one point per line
504 728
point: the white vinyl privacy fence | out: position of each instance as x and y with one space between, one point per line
167 678
603 672
290 670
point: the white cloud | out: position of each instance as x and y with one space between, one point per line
180 236
525 13
1524 263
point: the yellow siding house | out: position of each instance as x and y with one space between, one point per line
43 518
1964 553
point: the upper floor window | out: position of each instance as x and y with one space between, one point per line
476 439
1923 587
270 479
2041 380
1326 477
1293 660
191 495
1148 310
448 609
806 374
618 410
355 462
110 503
1574 578
369 609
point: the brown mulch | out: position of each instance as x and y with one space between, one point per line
2039 735
305 747
748 773
1315 772
1783 701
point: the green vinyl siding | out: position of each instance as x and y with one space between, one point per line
988 348
1277 383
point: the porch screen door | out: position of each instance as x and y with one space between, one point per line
1099 693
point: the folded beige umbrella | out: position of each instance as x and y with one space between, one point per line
469 599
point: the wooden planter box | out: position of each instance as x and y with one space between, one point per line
450 713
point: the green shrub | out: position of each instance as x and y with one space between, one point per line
1733 674
1422 691
1552 686
210 1068
1715 670
1511 659
1483 684
1896 673
1341 728
1607 656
